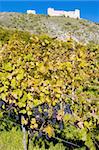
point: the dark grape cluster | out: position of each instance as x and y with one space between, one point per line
9 113
2 103
67 109
40 133
61 125
41 114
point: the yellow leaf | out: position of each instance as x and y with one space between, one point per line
42 68
24 121
33 121
35 125
29 113
29 96
58 95
49 130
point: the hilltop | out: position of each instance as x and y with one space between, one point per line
59 27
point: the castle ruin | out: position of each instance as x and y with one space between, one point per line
71 14
52 12
31 12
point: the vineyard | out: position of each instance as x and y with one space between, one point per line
49 90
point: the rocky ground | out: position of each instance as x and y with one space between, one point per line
60 27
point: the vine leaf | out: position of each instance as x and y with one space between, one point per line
49 130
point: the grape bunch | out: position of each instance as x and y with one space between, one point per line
2 104
44 117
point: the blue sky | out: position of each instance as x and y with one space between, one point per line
48 0
89 8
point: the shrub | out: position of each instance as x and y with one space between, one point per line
50 87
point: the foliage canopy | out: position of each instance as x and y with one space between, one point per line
51 87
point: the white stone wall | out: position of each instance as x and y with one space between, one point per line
71 14
31 12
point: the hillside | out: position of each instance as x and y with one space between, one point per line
60 27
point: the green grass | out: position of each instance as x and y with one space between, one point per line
12 140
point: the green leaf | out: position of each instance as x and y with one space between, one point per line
23 111
8 66
20 76
29 96
1 114
13 83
